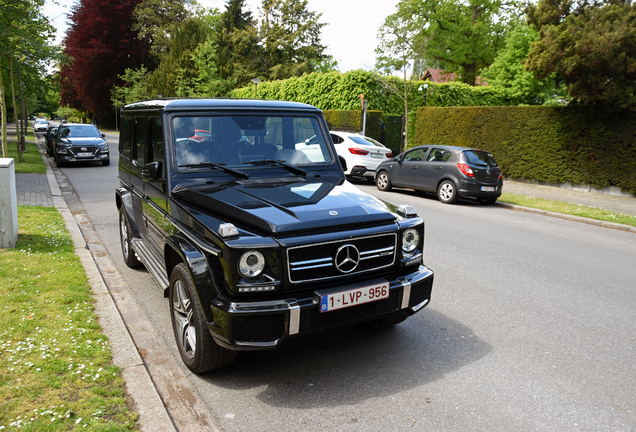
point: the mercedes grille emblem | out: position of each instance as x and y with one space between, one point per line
347 258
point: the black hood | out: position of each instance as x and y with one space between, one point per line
281 207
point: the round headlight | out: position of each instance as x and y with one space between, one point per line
410 240
251 264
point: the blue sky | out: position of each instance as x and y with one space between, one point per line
350 34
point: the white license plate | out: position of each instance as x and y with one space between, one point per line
377 155
84 154
487 188
353 297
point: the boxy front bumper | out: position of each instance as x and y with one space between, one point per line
265 325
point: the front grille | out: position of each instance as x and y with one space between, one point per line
317 261
313 319
259 328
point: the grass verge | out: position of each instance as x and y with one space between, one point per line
32 158
568 208
56 371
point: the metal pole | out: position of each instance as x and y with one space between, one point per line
22 123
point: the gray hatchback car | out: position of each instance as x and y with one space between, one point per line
451 172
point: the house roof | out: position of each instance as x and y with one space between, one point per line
441 76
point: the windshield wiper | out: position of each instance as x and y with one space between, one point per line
217 165
279 162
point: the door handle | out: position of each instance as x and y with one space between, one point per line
439 168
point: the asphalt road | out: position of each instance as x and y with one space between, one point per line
532 326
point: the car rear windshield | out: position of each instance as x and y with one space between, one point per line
365 141
241 140
476 157
87 131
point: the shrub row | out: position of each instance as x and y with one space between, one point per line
341 91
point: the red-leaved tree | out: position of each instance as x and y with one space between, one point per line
100 46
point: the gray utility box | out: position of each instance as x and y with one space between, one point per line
8 205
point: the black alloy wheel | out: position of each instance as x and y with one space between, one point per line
197 348
125 236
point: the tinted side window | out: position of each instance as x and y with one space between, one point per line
438 155
156 151
125 138
416 155
336 139
141 138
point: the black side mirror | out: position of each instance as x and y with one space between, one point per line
343 163
151 171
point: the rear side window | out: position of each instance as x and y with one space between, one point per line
439 155
482 158
125 138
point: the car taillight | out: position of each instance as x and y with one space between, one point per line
358 151
465 169
500 176
389 155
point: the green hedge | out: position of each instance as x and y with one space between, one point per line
549 144
341 91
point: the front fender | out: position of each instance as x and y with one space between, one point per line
204 269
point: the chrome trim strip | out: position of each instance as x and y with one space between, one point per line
406 292
419 306
294 318
319 260
312 267
386 251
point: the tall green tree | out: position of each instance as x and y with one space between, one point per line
290 35
465 36
591 46
178 63
400 43
508 71
230 38
25 35
157 21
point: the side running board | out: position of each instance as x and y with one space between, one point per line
156 268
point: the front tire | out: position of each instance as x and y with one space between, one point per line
105 162
197 348
447 193
125 237
383 181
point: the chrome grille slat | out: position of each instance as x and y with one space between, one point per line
315 261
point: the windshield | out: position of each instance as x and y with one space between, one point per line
480 158
79 131
365 141
244 139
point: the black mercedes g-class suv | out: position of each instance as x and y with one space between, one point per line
241 212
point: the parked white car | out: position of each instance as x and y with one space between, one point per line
40 125
362 153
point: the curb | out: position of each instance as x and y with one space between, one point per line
588 221
153 415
